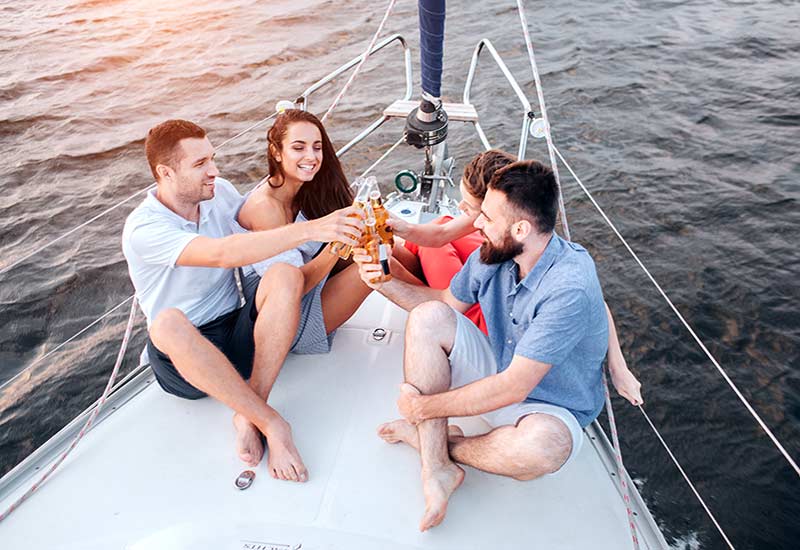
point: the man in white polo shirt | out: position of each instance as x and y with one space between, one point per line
182 250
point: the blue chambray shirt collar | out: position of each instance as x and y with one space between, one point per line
553 249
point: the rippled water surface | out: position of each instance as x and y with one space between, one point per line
681 117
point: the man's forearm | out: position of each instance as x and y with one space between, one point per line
488 394
409 296
242 249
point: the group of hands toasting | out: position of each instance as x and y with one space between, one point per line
364 230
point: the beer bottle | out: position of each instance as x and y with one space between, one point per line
381 218
361 200
372 244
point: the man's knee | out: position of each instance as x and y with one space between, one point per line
433 318
168 326
283 278
543 445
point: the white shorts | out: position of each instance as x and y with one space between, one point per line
472 359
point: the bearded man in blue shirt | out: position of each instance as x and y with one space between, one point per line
536 379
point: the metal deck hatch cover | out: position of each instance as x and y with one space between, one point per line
245 479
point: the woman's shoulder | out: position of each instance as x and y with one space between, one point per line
261 212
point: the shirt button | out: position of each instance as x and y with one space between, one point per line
509 341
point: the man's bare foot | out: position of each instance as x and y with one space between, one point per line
437 486
284 461
401 431
248 441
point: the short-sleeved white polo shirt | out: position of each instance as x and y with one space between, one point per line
152 240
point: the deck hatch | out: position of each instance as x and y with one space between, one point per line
245 480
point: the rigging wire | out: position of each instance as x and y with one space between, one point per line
733 386
65 342
383 156
15 263
364 58
248 129
540 93
685 477
565 225
92 416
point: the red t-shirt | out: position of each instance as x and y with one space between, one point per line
439 265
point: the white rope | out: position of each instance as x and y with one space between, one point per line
548 136
685 477
65 342
364 57
738 393
383 156
623 483
95 412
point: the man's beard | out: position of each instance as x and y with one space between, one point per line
499 253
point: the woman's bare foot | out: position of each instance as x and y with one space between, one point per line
438 485
284 461
401 431
248 441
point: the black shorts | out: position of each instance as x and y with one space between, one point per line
231 333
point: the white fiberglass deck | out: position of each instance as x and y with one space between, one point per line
158 473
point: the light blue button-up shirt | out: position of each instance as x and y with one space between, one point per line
153 239
555 315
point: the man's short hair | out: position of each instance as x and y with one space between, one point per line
530 188
161 145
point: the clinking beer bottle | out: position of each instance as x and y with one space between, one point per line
381 218
371 242
344 250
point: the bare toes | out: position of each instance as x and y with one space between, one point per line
248 441
431 519
387 433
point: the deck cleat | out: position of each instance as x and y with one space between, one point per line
245 480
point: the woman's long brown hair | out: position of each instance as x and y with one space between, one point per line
329 190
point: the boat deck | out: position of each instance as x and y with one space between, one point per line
158 473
